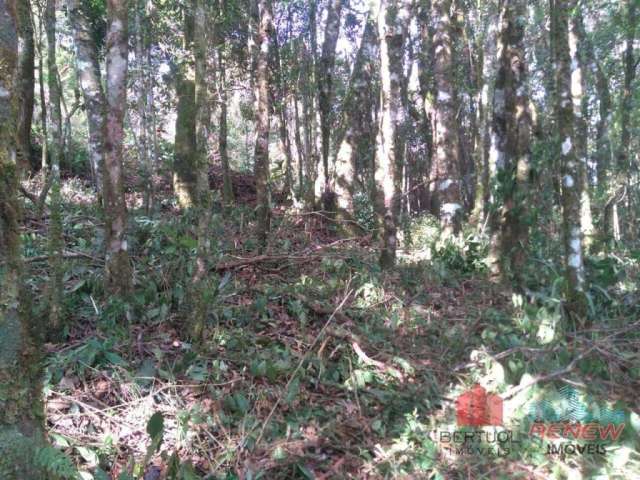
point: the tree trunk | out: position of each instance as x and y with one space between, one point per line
579 72
56 242
200 301
117 267
26 62
511 132
88 73
261 152
356 132
446 195
141 51
574 272
22 412
324 78
392 23
227 186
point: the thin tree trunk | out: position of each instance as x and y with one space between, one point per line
56 242
425 79
199 298
261 152
227 185
22 412
141 45
580 111
118 279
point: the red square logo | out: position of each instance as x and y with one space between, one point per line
477 408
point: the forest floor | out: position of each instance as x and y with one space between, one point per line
316 364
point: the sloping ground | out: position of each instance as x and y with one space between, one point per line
315 364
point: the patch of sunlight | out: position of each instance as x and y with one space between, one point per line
368 295
548 328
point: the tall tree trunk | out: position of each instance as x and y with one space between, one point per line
356 132
88 73
41 92
117 267
324 78
627 91
446 195
392 22
570 170
26 62
227 185
185 176
141 51
203 206
511 131
579 72
261 151
56 242
22 412
280 101
625 166
425 80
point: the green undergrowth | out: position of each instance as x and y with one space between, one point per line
280 386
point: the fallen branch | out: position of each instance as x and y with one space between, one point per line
262 259
545 378
67 255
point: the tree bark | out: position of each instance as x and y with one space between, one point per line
511 132
227 186
445 188
392 23
22 410
579 73
324 78
88 73
573 241
203 206
26 62
141 52
118 279
261 151
56 242
356 130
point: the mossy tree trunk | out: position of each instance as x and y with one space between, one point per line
445 189
21 407
510 147
227 186
117 266
88 73
624 163
199 285
392 24
26 61
56 242
261 151
570 170
356 130
324 79
425 81
579 72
